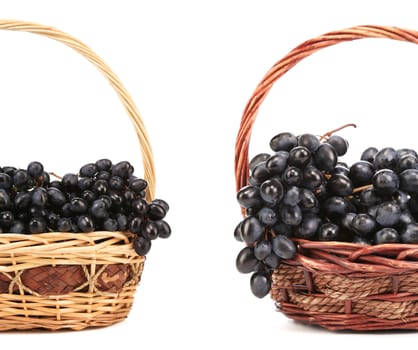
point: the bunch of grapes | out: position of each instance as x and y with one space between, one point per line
302 190
102 196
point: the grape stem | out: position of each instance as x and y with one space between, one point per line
361 188
329 133
55 175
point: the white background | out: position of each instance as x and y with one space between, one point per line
191 67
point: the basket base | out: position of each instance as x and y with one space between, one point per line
73 311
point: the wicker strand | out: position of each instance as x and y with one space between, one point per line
131 109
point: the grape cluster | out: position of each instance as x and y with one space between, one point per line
102 196
302 190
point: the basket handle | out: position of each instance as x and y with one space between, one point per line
290 60
131 109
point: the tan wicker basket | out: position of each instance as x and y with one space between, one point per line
72 280
338 285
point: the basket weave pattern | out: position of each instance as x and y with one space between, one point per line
62 280
338 285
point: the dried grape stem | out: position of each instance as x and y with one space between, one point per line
55 175
329 133
361 188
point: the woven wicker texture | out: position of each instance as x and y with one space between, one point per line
338 285
72 280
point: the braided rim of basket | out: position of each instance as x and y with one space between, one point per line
338 285
131 109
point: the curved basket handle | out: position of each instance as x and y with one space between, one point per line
131 109
290 60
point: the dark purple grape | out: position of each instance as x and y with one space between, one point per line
137 185
347 221
401 198
325 157
369 197
271 191
22 201
37 225
292 176
251 230
409 180
309 226
311 142
135 224
406 151
385 182
103 175
39 196
407 161
260 284
339 185
85 223
5 201
259 158
249 197
246 261
312 178
116 183
99 209
284 141
262 249
88 195
85 183
267 216
122 221
140 207
78 205
277 163
282 229
35 169
363 224
386 158
142 245
341 170
299 157
272 261
69 182
308 201
103 165
340 145
388 214
291 215
88 170
22 180
361 240
17 227
386 235
328 232
122 169
164 229
336 207
259 174
406 218
292 196
150 230
369 154
5 181
283 247
6 218
410 234
361 173
100 187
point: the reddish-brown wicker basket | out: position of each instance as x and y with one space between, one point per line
338 285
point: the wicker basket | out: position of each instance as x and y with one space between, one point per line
72 280
336 285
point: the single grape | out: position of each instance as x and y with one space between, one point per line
409 180
260 284
361 173
103 165
78 205
299 157
386 235
347 221
336 207
164 229
386 158
407 161
134 225
284 141
5 181
142 245
369 154
6 218
122 169
363 224
85 183
340 145
17 227
292 176
410 234
267 216
251 230
339 185
99 209
277 163
385 182
246 261
309 226
325 157
292 196
328 232
69 182
311 142
88 170
35 169
249 197
150 230
283 247
271 191
262 249
85 223
137 185
5 200
122 221
308 201
388 214
272 261
312 177
291 215
37 225
369 197
22 180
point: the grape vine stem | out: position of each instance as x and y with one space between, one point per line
329 133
